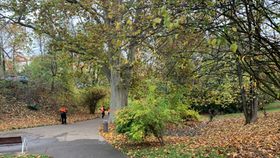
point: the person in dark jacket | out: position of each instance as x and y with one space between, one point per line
103 111
63 112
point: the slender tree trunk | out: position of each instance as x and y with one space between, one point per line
4 65
52 87
242 91
250 109
254 102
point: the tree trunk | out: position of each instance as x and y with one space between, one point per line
115 80
4 65
115 94
120 83
120 76
52 87
250 109
92 108
254 103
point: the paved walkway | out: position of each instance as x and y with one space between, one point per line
77 140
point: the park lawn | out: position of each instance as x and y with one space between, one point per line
271 108
27 156
272 105
240 114
227 137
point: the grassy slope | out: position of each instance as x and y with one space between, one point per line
271 108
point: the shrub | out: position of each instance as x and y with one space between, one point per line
141 120
218 108
145 117
92 96
105 101
188 114
32 106
183 108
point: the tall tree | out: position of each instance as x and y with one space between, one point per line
108 33
250 28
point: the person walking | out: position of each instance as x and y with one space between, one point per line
63 112
109 112
103 111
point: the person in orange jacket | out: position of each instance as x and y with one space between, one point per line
109 112
63 112
103 111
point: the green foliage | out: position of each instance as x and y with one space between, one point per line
145 117
8 84
50 71
92 95
179 104
218 108
40 68
105 101
188 114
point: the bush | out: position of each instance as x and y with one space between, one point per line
183 108
145 117
105 101
218 108
32 106
141 120
187 114
92 96
8 84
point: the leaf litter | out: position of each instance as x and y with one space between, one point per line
17 116
225 137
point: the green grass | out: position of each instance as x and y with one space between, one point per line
27 156
180 151
273 110
272 104
272 107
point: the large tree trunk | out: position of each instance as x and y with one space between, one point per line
120 82
120 75
115 94
115 80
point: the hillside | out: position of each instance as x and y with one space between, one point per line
17 115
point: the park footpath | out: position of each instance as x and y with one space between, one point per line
76 140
